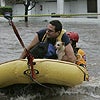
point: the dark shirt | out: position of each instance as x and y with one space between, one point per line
64 38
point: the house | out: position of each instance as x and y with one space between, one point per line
59 7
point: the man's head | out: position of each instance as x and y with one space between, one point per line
57 24
54 28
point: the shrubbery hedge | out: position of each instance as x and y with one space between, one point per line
5 9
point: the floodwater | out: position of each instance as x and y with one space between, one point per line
10 49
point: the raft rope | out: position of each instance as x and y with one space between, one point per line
29 55
27 72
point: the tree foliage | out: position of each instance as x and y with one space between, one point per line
13 1
18 1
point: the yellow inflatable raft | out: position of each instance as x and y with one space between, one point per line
46 71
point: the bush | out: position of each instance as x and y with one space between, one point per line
5 9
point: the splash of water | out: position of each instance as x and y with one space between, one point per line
91 88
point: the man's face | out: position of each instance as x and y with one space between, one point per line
51 33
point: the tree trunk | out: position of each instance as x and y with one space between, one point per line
26 13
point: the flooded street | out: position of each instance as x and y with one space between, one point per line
89 32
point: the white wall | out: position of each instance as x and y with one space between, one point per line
70 7
98 6
18 9
82 6
75 7
60 6
47 8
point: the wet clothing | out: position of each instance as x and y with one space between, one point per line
81 57
51 52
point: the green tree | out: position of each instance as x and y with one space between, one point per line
13 1
26 3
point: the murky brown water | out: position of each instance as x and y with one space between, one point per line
89 33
